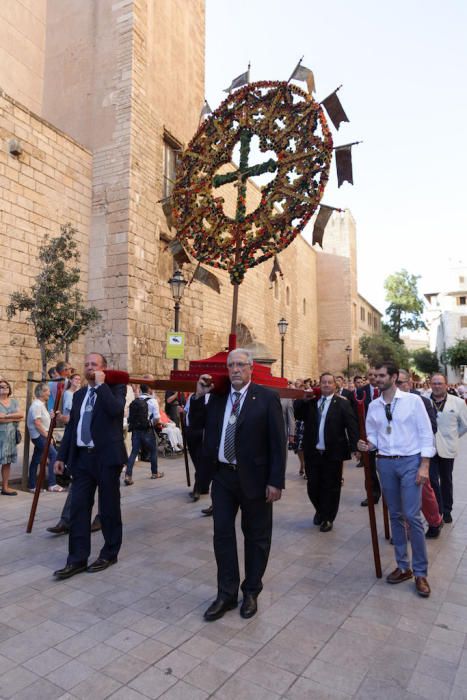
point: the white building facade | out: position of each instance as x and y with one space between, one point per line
446 316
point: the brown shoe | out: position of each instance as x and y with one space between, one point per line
397 576
422 586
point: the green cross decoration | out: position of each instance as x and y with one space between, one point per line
244 171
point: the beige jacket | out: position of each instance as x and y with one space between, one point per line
452 424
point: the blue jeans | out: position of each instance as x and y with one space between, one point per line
39 444
140 438
404 499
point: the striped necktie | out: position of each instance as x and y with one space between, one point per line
86 436
229 440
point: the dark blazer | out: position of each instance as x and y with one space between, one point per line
340 428
106 426
260 443
365 394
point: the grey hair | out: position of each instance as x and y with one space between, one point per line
406 373
39 389
241 351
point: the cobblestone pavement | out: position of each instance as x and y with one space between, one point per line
326 627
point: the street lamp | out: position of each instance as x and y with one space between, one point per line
177 287
282 326
348 350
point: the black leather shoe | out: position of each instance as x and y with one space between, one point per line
194 496
96 524
364 503
207 511
59 529
69 570
249 606
101 564
447 517
433 531
217 609
326 526
317 519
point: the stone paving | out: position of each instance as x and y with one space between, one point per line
326 627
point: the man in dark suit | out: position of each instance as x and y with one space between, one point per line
366 394
331 434
94 450
244 439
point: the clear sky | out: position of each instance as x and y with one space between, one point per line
403 66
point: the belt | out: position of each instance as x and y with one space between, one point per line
231 467
321 452
86 449
380 456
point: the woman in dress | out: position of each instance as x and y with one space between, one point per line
9 417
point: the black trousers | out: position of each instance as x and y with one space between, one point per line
88 474
256 523
324 477
203 467
441 480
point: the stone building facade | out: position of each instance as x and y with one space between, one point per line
100 151
344 315
47 184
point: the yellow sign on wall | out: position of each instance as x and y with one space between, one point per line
175 346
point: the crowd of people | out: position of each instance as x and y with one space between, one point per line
238 443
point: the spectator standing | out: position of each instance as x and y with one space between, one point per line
9 417
38 422
142 420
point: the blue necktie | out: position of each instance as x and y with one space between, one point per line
86 436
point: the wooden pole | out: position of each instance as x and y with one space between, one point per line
45 454
369 490
387 531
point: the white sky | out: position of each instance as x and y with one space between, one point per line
403 66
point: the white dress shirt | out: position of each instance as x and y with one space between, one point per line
322 413
411 431
228 410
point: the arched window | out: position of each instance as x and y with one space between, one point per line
244 336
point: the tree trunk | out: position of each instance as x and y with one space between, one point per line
43 361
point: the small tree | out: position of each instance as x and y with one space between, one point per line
405 306
456 355
425 361
54 303
382 348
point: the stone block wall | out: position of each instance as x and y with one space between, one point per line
49 184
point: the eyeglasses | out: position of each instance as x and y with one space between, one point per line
240 365
401 381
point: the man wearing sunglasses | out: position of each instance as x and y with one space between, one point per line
399 429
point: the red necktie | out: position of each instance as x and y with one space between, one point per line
375 393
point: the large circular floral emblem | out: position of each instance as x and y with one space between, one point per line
294 148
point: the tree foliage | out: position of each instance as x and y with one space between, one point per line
382 348
425 361
54 303
405 306
456 355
